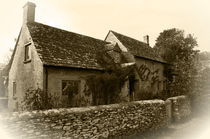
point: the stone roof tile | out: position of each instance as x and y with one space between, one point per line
58 47
138 48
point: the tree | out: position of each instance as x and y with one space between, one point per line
203 56
178 49
2 90
201 97
4 72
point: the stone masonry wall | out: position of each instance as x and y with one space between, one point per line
103 121
25 74
181 108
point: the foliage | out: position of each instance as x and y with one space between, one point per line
4 73
3 79
146 95
201 95
204 55
203 81
2 88
36 99
105 88
178 49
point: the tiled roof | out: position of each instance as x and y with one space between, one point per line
138 48
58 47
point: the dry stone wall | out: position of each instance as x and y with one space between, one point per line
180 108
103 121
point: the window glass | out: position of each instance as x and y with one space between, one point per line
27 51
14 88
70 87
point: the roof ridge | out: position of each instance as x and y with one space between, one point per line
135 46
130 38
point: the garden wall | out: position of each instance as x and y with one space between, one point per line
180 107
89 122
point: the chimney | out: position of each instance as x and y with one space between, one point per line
28 12
146 39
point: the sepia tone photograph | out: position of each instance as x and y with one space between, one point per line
105 69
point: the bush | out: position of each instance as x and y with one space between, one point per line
36 99
105 88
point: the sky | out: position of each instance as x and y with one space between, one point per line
134 18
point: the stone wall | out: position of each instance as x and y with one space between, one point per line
89 122
25 74
54 80
151 79
180 108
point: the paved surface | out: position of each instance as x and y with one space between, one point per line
195 128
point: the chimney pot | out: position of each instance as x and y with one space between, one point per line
29 12
146 39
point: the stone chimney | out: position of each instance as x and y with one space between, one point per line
146 39
29 12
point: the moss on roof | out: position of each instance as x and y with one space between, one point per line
138 48
62 48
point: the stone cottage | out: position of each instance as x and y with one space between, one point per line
58 62
150 75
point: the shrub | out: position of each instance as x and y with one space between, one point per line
105 88
145 95
36 99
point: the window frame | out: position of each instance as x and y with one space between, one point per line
14 89
27 54
66 80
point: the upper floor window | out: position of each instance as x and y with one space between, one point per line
14 89
27 52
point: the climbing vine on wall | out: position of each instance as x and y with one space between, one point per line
106 87
144 73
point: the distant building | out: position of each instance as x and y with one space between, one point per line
56 61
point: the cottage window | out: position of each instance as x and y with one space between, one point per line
70 87
14 89
27 52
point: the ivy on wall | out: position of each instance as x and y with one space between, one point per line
105 88
144 73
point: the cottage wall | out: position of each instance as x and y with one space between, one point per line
150 77
25 75
80 97
112 38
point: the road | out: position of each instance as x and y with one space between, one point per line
195 128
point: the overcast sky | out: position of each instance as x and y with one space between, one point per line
134 18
